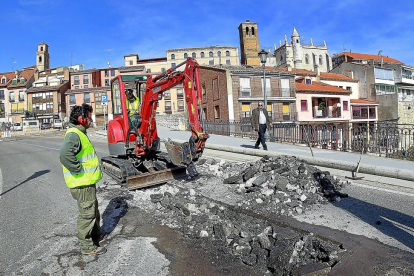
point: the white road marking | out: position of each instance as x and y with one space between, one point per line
383 190
37 146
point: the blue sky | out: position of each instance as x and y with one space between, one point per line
94 32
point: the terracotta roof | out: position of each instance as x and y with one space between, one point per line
359 101
368 57
297 71
334 76
45 88
9 76
319 87
26 74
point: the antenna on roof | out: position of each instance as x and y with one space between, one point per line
343 48
13 62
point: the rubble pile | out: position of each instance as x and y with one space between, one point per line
284 184
280 185
255 241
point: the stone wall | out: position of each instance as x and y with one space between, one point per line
173 121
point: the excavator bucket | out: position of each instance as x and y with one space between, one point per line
179 153
155 178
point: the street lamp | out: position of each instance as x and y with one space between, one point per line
263 58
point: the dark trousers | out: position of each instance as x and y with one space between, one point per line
261 139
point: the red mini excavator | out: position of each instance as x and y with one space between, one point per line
135 156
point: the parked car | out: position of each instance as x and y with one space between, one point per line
46 126
57 123
16 126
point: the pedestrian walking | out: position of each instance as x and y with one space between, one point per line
81 171
260 122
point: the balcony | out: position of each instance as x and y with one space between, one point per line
285 92
42 100
320 114
46 111
361 113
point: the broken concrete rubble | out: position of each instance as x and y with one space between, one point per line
270 187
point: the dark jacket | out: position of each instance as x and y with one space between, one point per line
70 147
255 119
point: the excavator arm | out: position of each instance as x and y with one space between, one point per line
155 87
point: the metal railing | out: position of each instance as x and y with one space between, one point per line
382 139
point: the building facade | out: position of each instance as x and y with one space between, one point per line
302 56
249 43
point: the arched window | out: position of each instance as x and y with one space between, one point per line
172 56
247 30
227 53
307 59
210 54
40 59
185 55
202 54
219 53
41 48
281 58
320 59
252 30
194 55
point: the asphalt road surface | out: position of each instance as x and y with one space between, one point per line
38 219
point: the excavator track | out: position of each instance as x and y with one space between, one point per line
119 169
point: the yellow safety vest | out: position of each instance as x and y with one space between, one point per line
90 169
134 108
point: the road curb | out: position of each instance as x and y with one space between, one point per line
323 162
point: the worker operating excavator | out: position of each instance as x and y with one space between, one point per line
132 103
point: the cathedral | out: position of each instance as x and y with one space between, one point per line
302 56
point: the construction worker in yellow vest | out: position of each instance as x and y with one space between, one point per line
81 171
133 108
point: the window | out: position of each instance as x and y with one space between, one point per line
320 59
172 56
245 110
130 62
385 74
3 80
205 113
167 105
211 62
193 55
167 95
203 88
349 88
210 54
106 73
180 93
85 86
21 95
202 54
252 30
40 59
247 30
41 48
228 62
303 105
217 112
173 65
185 55
86 98
308 81
11 96
307 59
180 104
372 114
215 88
112 73
14 81
1 94
22 80
76 79
72 99
85 79
219 53
106 82
285 86
77 87
148 70
345 105
384 89
227 53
